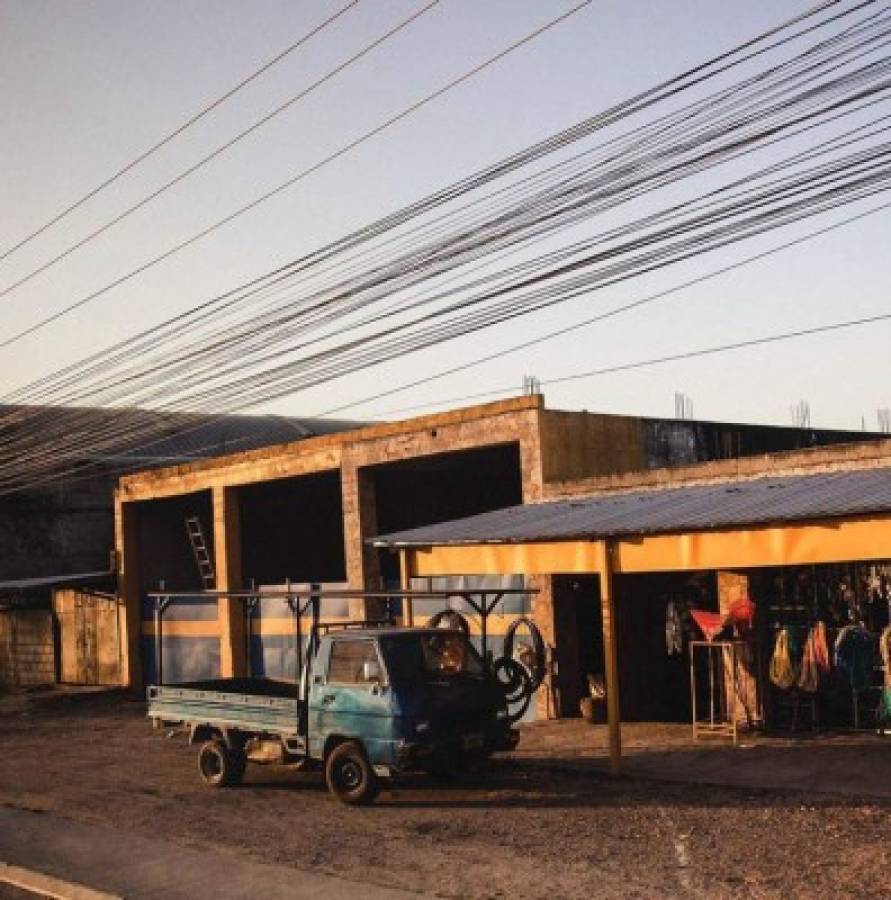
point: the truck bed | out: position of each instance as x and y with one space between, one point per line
251 704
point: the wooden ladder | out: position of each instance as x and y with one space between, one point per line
199 549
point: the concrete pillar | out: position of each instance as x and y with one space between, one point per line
360 522
406 566
129 593
532 479
529 430
547 700
227 566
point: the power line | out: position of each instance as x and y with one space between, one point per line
640 101
352 145
178 130
218 151
245 391
635 164
657 361
600 317
253 324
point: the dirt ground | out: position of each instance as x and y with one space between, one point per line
524 831
839 763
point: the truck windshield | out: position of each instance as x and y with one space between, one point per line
430 657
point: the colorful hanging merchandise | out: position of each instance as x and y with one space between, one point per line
783 672
742 616
814 659
885 650
674 628
711 624
855 655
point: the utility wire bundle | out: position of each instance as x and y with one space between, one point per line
807 118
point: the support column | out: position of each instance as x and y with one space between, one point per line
547 698
406 568
610 655
227 565
360 522
129 595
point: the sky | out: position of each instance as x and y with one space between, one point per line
87 86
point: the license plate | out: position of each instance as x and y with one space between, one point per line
472 741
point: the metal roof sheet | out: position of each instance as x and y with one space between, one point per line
761 501
206 436
51 580
175 437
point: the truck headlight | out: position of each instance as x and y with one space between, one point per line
422 727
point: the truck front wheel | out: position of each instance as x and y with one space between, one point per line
219 766
349 775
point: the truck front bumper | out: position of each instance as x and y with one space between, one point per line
413 755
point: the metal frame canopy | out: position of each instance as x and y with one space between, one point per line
832 540
308 600
830 516
763 522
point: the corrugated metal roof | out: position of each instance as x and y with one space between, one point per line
178 436
50 580
692 508
207 436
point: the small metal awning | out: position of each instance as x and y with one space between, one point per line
670 510
53 580
763 521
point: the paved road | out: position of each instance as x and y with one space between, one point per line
138 867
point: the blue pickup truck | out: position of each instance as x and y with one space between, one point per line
371 703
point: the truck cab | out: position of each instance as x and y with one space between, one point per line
413 698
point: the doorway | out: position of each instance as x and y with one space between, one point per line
578 628
89 637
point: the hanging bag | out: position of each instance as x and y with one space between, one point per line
782 669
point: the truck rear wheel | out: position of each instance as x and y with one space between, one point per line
349 775
219 766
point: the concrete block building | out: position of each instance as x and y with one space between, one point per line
306 512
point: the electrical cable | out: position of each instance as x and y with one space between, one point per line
252 325
218 151
600 317
829 79
659 360
192 120
434 338
384 223
536 661
778 42
295 179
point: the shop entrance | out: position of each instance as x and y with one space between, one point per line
654 678
654 684
579 640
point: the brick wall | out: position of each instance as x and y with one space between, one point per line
27 650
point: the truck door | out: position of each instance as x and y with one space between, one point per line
351 699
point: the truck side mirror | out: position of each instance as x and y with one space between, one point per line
371 671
